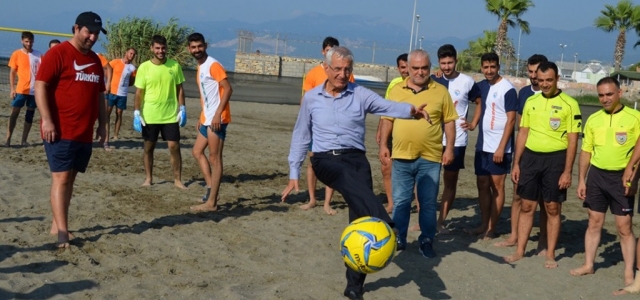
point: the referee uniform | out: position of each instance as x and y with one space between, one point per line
610 139
549 120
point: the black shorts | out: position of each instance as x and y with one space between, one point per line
540 174
458 159
605 190
485 166
65 155
169 132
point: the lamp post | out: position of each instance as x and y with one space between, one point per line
518 61
562 46
417 29
421 38
415 3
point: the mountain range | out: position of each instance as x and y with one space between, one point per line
372 39
305 33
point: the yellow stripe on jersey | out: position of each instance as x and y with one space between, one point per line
610 138
550 120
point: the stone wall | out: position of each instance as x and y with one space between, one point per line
254 63
286 66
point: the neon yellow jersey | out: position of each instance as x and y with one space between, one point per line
549 121
391 84
160 102
610 138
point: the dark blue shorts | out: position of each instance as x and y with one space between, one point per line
21 99
458 159
485 166
117 101
222 134
65 155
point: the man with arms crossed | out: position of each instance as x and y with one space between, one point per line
463 90
123 76
385 162
24 63
495 143
215 92
545 152
523 95
610 135
69 92
315 77
159 94
417 150
333 116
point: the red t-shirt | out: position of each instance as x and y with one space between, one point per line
75 81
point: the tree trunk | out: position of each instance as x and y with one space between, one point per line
501 37
618 55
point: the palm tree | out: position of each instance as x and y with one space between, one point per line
470 57
509 13
622 17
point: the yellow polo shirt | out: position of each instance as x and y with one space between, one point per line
417 138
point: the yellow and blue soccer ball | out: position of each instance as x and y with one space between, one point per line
368 245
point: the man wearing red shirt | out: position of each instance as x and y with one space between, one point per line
69 95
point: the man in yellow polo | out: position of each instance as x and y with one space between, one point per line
545 151
610 136
417 149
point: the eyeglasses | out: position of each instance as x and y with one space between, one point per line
346 70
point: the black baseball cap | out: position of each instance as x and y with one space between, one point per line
91 20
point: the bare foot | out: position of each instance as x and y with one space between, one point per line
62 246
583 270
115 138
147 182
505 244
489 236
513 257
475 231
541 251
204 207
54 231
628 278
308 206
7 143
442 230
550 263
330 211
25 144
179 184
107 147
630 289
415 227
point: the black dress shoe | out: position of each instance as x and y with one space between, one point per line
352 294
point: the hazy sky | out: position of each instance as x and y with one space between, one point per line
458 18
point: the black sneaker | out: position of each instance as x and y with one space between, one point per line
352 294
400 246
426 249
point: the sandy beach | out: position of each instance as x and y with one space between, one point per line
144 243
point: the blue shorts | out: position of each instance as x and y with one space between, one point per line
485 166
21 99
458 159
222 134
119 101
65 155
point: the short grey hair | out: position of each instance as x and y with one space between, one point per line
340 52
419 53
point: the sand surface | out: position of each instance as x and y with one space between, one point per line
143 243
